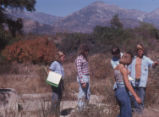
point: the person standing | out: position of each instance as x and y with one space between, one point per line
139 72
83 76
116 55
124 86
57 92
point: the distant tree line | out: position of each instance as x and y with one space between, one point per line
100 40
103 37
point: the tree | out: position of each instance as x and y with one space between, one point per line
14 25
115 22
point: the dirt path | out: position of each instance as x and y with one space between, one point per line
39 105
149 112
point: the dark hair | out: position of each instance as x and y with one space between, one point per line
130 53
82 49
124 57
115 50
58 55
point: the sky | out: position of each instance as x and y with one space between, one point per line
66 7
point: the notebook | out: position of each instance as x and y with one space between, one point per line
53 78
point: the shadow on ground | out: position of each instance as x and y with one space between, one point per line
66 111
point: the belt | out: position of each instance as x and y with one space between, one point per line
120 84
137 79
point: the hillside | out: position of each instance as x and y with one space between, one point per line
97 13
84 20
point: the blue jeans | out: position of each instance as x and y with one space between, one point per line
123 99
56 98
83 95
141 93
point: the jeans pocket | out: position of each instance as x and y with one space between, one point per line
117 92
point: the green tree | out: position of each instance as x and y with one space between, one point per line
14 25
115 22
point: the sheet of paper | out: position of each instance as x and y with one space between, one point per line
130 78
54 77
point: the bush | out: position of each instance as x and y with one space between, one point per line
4 38
39 50
72 41
100 67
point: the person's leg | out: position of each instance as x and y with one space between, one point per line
81 98
54 103
124 102
88 93
136 107
56 98
126 105
142 96
57 113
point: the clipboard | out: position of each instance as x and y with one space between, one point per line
53 78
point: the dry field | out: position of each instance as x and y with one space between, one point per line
30 79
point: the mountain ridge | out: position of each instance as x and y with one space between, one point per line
85 19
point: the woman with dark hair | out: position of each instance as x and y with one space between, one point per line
83 77
124 86
57 67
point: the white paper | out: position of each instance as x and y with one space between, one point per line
130 78
54 77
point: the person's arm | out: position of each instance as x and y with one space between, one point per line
155 64
129 67
124 72
151 63
113 64
52 67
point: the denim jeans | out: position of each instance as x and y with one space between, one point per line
83 95
141 93
123 99
56 98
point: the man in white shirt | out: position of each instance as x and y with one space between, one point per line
115 59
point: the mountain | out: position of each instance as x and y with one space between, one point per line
34 22
152 17
42 18
34 27
84 20
97 13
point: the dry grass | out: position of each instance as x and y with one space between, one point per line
97 111
26 78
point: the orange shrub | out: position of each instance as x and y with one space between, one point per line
39 50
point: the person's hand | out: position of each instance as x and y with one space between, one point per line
138 100
155 64
83 85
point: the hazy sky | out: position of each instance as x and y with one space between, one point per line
66 7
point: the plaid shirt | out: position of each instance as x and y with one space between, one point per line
82 67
